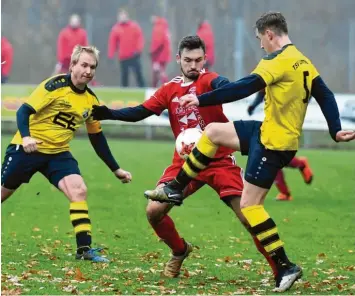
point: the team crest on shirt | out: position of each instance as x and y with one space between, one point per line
85 114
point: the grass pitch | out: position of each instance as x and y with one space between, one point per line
38 244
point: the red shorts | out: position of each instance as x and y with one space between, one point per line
223 175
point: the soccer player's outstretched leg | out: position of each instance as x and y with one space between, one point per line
46 124
290 79
223 175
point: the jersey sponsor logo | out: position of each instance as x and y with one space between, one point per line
65 120
189 117
64 103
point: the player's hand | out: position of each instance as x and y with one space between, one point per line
101 112
345 136
123 175
30 144
250 110
189 100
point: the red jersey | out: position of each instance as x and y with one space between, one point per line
126 38
7 54
205 32
68 38
168 97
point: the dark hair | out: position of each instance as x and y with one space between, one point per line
190 43
274 21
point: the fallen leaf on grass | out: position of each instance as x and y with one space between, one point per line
212 278
186 273
70 272
6 291
79 275
149 256
307 285
70 289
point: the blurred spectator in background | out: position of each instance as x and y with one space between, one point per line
160 49
204 31
127 38
7 54
71 35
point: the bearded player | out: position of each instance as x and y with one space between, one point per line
223 175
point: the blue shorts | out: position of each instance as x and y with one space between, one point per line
19 167
263 164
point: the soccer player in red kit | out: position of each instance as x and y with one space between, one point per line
223 175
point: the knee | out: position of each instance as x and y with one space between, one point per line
78 193
211 131
154 214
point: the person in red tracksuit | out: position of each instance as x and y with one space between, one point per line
160 49
205 32
127 38
68 38
7 54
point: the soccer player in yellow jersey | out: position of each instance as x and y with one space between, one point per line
46 124
290 79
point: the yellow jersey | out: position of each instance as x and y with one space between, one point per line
288 75
61 109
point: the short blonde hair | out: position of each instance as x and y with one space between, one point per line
78 50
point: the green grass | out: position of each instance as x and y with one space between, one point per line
38 242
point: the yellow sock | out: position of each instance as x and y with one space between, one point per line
79 217
263 227
206 147
200 156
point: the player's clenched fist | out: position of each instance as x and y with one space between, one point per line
30 144
189 100
345 136
123 175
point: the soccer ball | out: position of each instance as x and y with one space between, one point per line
186 141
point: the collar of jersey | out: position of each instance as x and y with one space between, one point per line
74 88
277 52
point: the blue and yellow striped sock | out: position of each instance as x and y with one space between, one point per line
198 160
79 217
265 230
